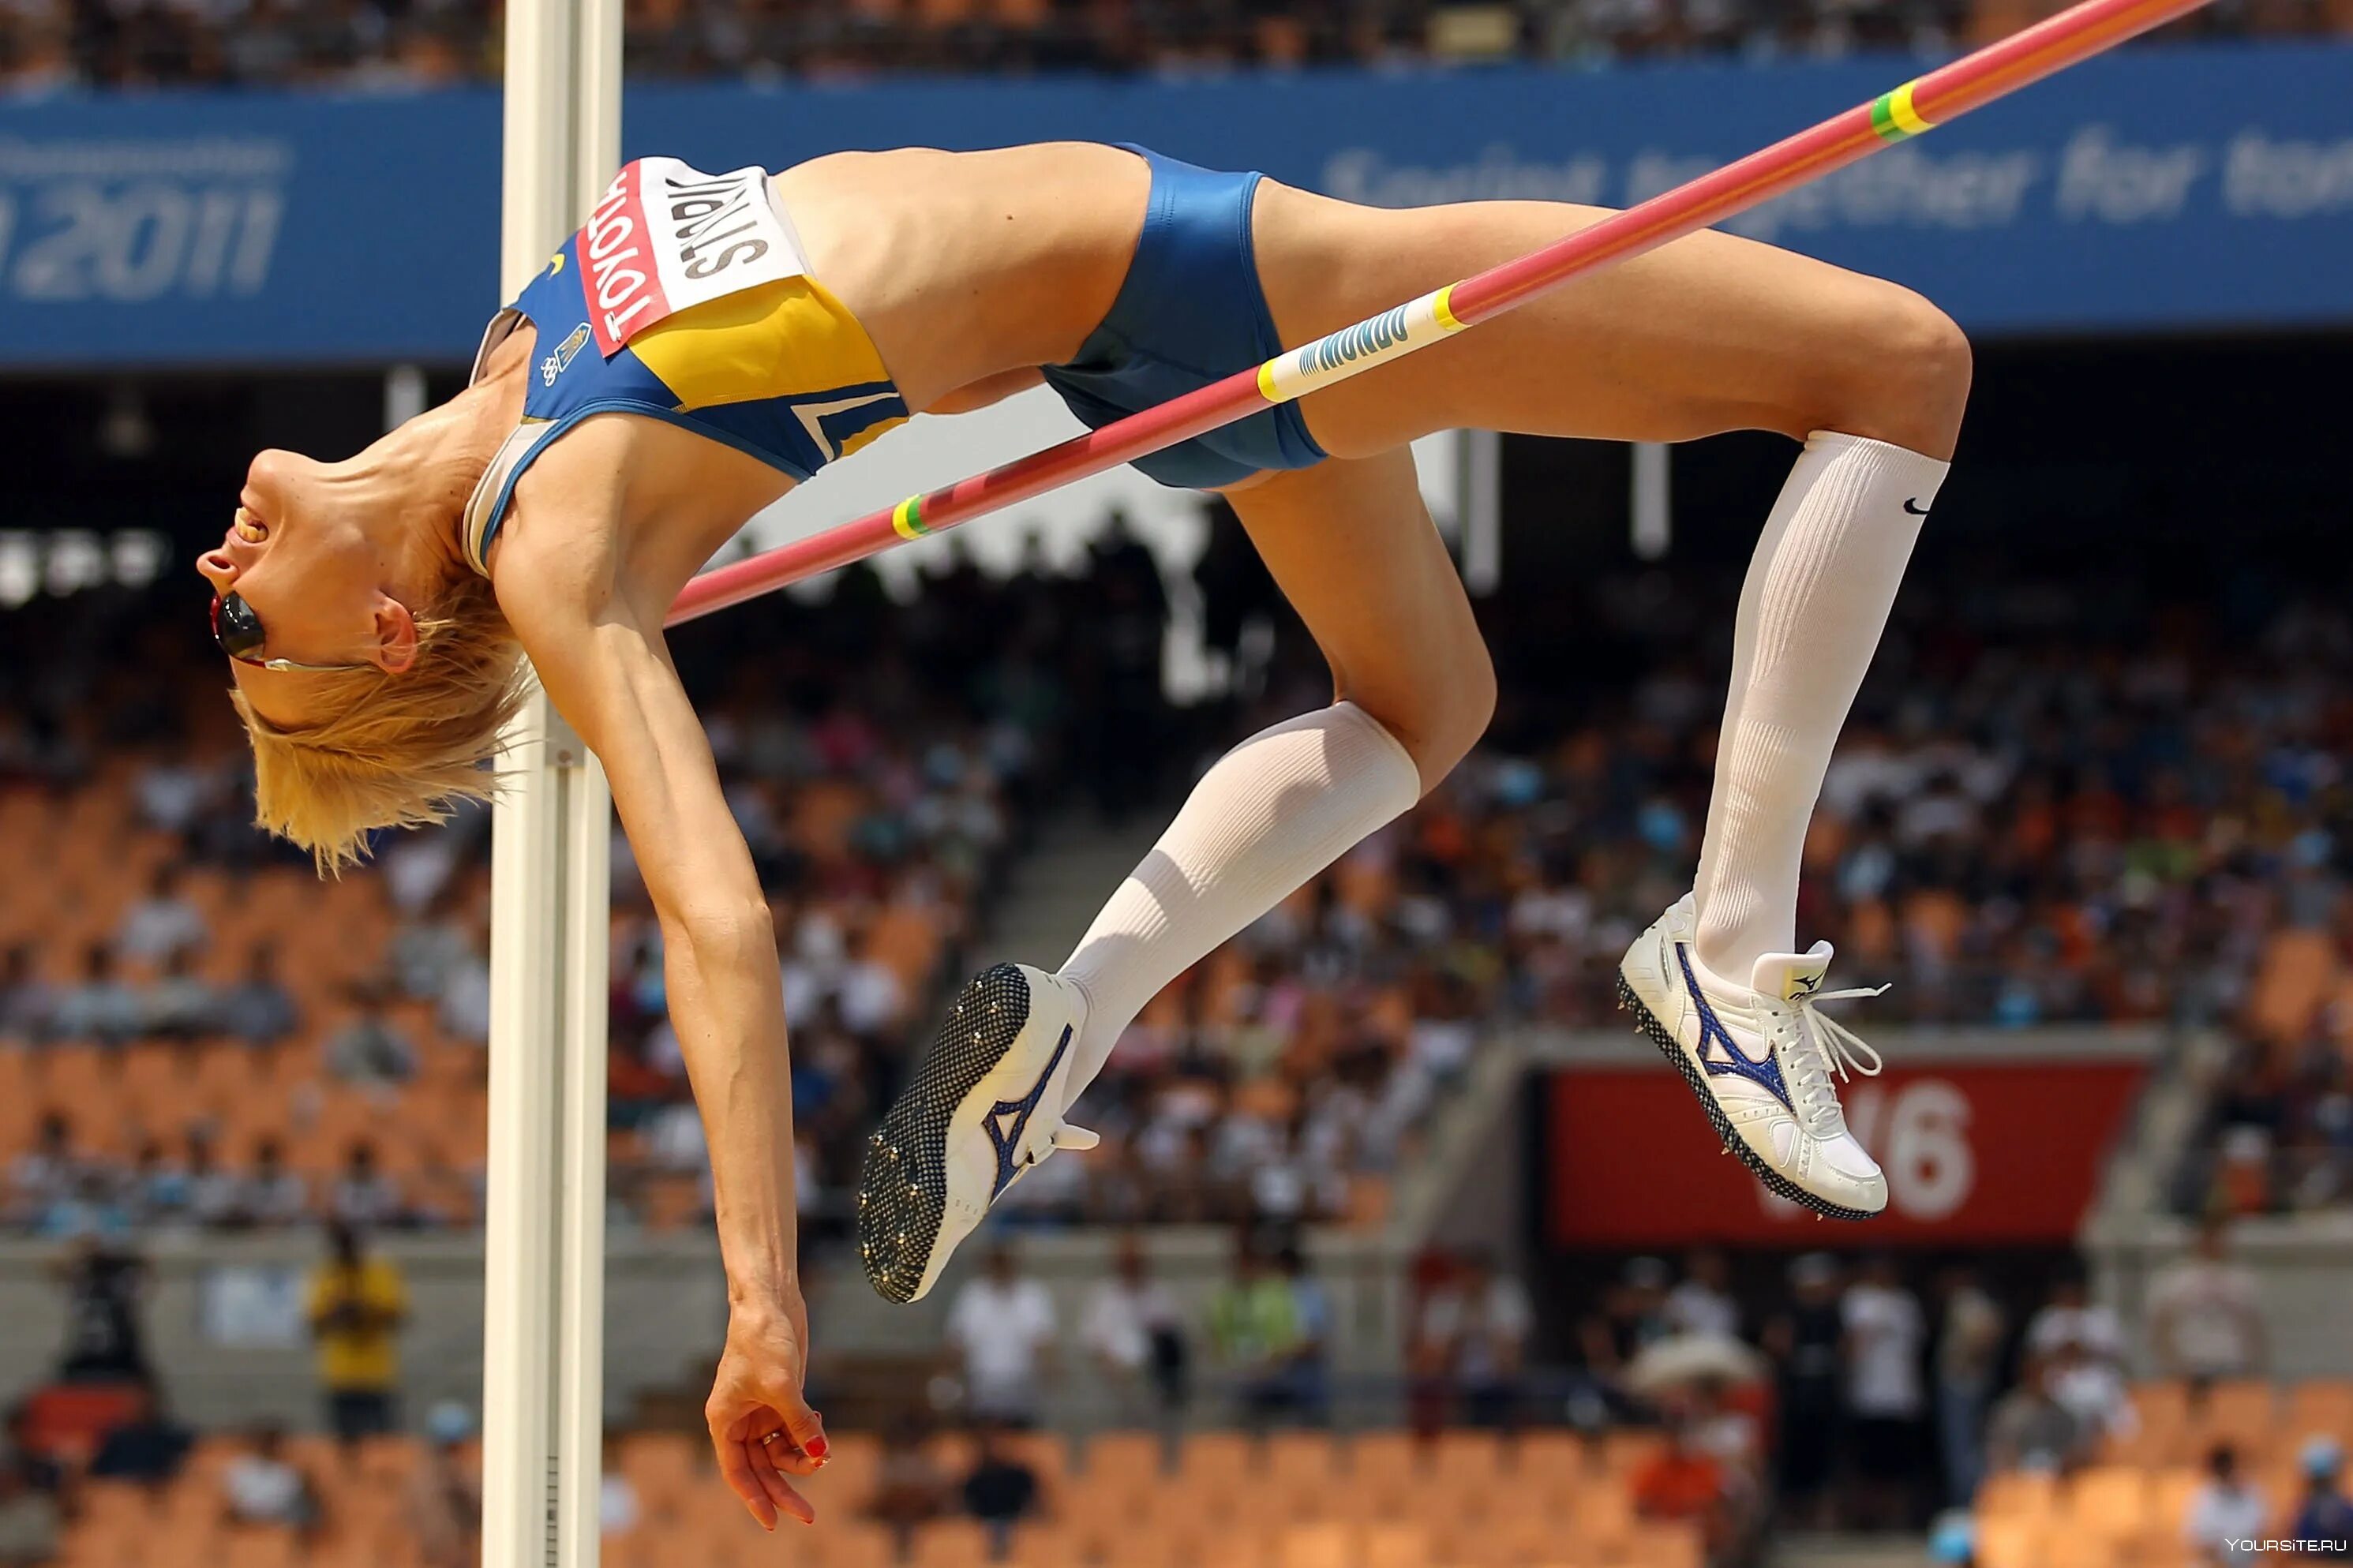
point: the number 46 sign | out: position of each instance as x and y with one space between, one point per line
2009 1150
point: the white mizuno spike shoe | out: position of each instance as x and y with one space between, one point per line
1761 1061
984 1107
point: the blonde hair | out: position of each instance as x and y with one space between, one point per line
400 749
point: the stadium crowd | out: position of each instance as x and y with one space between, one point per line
2033 820
49 45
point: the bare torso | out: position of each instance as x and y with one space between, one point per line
968 270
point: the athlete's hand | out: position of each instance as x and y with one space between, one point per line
763 1429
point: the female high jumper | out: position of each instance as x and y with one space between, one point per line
705 342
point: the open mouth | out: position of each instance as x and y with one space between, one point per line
249 528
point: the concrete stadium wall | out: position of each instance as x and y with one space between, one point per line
2304 1264
666 1306
665 1314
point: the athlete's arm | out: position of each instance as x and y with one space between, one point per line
608 671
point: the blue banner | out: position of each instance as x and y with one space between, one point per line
2163 188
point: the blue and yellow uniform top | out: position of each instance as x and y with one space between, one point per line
684 298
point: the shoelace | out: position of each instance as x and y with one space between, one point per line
1835 1048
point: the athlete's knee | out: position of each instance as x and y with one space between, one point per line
1444 713
1900 373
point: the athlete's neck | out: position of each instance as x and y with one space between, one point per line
417 477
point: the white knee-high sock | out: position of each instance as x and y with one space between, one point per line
1274 812
1816 597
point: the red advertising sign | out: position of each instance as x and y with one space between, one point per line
2004 1152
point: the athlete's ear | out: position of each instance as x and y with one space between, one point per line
395 636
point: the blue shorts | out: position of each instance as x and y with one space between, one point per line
1189 313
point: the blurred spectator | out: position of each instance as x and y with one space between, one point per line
270 1195
1256 1335
1702 1303
1710 1416
365 1198
2081 1346
1477 1326
1311 1355
357 1303
445 1495
178 1005
157 1192
1885 1334
44 1175
2031 1429
1806 1341
428 947
465 1005
1002 1491
1136 1339
174 795
1633 1315
2225 1523
908 1488
1002 1330
314 45
100 1007
1968 1359
148 1448
371 1051
1128 623
216 1197
1684 1484
2205 1313
93 1207
106 1283
2323 1515
257 1009
161 923
262 1486
28 1002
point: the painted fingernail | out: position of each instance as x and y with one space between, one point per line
817 1449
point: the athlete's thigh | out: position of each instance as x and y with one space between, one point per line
1710 332
1353 548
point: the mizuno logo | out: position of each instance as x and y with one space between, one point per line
1007 1119
1719 1053
1913 506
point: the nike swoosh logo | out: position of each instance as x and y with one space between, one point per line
1913 506
1737 1062
1007 1119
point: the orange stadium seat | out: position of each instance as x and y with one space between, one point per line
1384 1459
951 1543
1304 1461
1124 1459
2108 1501
1467 1457
2009 1541
2243 1414
2324 1406
1663 1546
1216 1459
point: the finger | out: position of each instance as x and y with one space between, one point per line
780 1493
787 1456
744 1480
804 1425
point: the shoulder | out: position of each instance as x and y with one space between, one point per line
556 546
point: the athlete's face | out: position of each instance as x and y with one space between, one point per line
299 562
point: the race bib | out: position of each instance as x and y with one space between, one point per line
665 236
